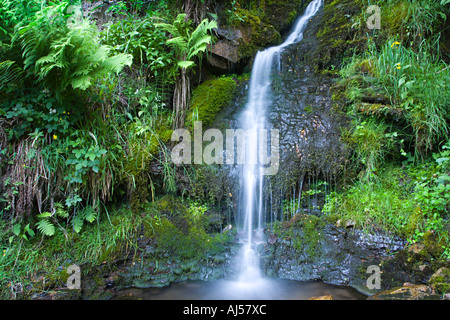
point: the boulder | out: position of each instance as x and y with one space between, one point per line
224 56
236 46
440 280
407 292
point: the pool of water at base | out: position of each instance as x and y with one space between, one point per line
262 289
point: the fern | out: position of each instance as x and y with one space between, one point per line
88 213
60 211
9 73
61 56
45 226
77 223
188 43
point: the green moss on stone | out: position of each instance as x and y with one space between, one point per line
209 98
340 32
441 280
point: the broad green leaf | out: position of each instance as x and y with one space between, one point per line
186 64
16 229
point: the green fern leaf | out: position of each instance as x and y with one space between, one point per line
44 215
90 214
46 227
9 72
77 222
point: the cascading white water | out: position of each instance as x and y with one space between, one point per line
252 120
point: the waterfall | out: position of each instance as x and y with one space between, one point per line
252 120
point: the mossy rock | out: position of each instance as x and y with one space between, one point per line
407 292
281 13
168 204
440 280
433 245
193 244
337 34
209 98
240 40
256 35
394 18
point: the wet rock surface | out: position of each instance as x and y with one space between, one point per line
339 256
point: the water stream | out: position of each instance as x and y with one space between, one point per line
268 289
253 119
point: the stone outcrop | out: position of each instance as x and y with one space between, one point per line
236 46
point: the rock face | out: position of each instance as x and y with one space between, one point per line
238 42
236 46
225 56
440 280
314 250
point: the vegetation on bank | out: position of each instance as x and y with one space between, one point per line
85 114
396 88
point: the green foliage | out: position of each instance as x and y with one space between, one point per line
146 44
41 265
171 238
414 19
24 234
47 222
36 112
408 202
371 143
188 44
432 193
9 72
49 44
84 159
415 83
182 231
380 204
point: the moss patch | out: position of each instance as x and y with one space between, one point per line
342 31
304 231
209 98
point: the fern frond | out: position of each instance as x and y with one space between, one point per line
201 31
77 222
73 54
179 44
186 64
46 227
199 46
89 214
9 73
169 28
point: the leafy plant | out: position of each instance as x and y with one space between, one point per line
48 221
415 83
85 159
49 45
18 232
44 225
188 45
370 143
